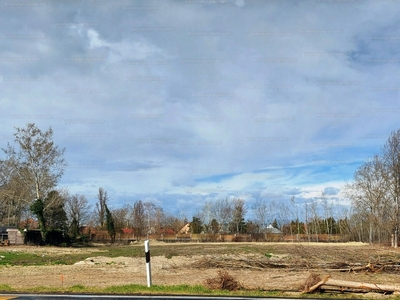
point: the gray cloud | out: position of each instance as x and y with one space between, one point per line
169 88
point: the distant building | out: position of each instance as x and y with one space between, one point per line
272 234
185 229
3 233
271 230
15 237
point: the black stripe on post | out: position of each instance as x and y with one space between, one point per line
147 256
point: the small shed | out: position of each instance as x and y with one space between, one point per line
15 237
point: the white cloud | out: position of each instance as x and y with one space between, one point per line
124 50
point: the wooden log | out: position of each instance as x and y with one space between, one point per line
341 290
362 285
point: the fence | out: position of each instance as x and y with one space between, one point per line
324 238
101 236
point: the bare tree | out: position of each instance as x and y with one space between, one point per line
101 207
149 211
315 218
206 215
139 218
292 200
121 217
391 159
368 194
77 209
239 212
285 215
222 212
38 162
15 196
174 222
260 212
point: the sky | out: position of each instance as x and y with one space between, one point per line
182 102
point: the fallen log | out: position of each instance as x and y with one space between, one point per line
361 285
342 290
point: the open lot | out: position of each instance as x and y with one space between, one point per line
257 266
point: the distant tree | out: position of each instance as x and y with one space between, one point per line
223 209
391 161
121 217
37 208
15 196
196 225
261 213
214 226
77 209
174 222
101 207
251 227
149 211
314 224
275 224
159 219
369 195
139 220
38 162
54 211
110 225
239 211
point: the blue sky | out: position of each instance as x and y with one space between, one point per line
180 102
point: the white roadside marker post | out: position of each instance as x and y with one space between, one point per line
148 267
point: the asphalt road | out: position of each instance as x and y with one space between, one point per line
103 297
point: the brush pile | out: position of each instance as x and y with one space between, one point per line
223 281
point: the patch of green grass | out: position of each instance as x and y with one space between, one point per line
77 288
183 289
15 258
136 289
5 287
268 255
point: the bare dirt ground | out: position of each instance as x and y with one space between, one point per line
285 271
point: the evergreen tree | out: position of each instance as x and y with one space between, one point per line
110 225
196 225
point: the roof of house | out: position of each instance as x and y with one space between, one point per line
128 230
272 230
185 228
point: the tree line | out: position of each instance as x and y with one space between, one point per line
375 194
31 170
